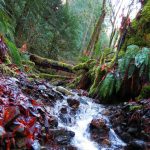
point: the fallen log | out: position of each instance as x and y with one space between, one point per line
49 63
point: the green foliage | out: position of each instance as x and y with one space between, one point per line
133 108
5 21
13 52
133 59
145 92
129 56
107 86
47 27
146 12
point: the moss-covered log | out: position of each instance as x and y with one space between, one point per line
49 76
49 63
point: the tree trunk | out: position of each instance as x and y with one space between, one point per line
96 33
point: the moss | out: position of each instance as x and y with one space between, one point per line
30 63
86 65
138 33
145 92
7 71
134 24
145 13
49 76
97 78
75 82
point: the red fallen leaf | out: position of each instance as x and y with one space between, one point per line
31 122
34 102
10 113
1 121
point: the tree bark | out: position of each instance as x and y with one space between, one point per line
96 33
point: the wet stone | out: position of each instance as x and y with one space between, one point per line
63 110
99 130
53 122
42 87
126 136
62 136
132 130
136 145
73 103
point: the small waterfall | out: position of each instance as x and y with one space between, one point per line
79 121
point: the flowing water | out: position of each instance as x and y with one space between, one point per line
79 121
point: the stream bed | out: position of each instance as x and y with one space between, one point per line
78 120
39 116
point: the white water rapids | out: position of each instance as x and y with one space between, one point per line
79 123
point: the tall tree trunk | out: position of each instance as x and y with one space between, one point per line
87 30
113 22
96 33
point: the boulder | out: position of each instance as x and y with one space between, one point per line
99 131
73 103
61 136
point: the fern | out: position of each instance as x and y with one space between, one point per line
13 52
107 86
134 58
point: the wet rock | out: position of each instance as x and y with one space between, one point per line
136 145
53 122
106 142
98 124
132 120
118 130
64 91
126 137
61 136
132 130
73 103
42 87
63 110
106 112
99 130
70 147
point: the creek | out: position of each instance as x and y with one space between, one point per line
79 122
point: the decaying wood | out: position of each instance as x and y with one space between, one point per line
49 63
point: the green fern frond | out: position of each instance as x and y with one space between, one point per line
13 52
107 86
